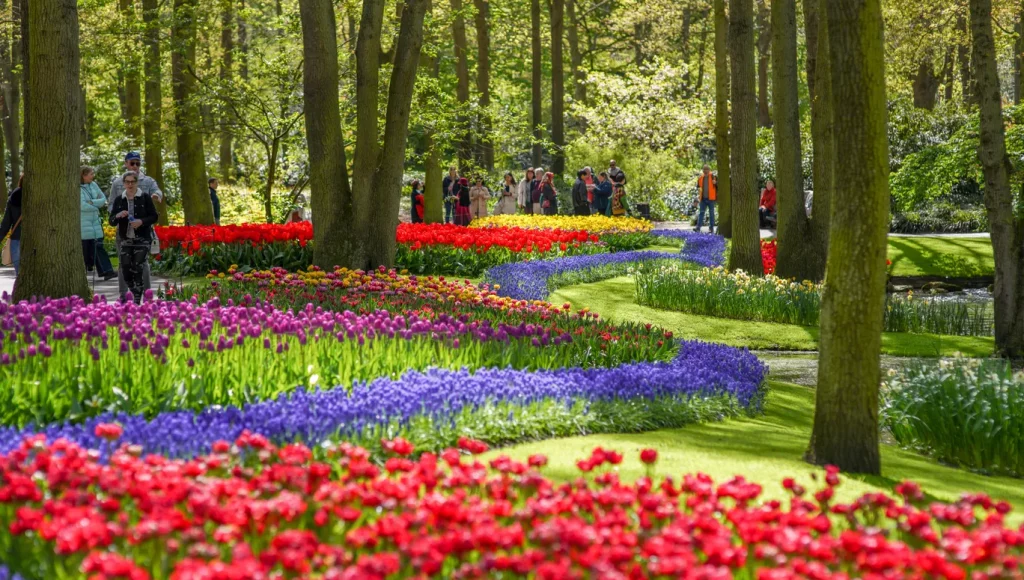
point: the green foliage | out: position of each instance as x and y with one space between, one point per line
964 412
959 317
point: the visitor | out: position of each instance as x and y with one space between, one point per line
146 186
11 224
536 190
134 215
618 207
416 209
615 173
549 195
450 192
478 197
602 193
707 185
523 195
214 199
580 204
588 178
766 210
507 199
92 199
462 202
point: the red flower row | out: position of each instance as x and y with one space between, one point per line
256 234
253 510
769 252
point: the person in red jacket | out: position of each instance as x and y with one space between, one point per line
767 209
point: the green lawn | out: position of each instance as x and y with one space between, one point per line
927 256
766 449
613 299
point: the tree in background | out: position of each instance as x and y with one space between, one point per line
557 87
1007 229
764 50
153 120
537 117
845 431
746 235
485 147
130 86
722 119
465 151
11 83
227 47
51 250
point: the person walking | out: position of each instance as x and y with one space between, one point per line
615 173
602 194
580 203
524 195
766 209
478 197
416 208
462 203
134 215
449 187
214 199
507 196
549 195
10 227
146 186
92 200
536 190
707 185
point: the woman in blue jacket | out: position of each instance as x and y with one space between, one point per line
92 228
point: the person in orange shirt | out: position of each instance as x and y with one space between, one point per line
707 185
767 209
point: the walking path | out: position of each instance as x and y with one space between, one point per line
679 225
96 284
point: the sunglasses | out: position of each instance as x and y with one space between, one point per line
133 164
130 182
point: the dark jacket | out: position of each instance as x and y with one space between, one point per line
602 195
12 213
535 190
144 210
215 200
550 196
445 184
417 207
463 191
579 193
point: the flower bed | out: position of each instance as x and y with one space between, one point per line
964 412
595 224
253 510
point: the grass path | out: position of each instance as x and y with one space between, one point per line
766 449
613 299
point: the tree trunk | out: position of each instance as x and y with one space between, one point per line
51 248
130 70
195 198
948 78
1007 230
819 75
535 58
926 85
268 191
845 430
11 52
797 257
764 48
722 151
25 66
1018 57
641 30
485 146
701 51
746 235
579 85
465 152
243 43
227 46
334 237
153 122
557 87
685 47
3 155
963 59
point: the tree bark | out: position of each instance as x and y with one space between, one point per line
845 431
764 48
537 116
465 152
722 151
963 59
195 198
746 235
153 121
1007 230
926 85
334 238
51 250
130 70
433 196
1018 57
25 68
227 47
684 48
701 51
268 191
579 86
10 84
948 78
819 75
485 146
557 87
243 43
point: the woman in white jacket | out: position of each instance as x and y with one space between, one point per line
523 197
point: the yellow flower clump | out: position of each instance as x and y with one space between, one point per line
595 224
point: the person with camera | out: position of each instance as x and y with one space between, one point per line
134 215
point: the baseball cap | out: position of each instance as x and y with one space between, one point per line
133 155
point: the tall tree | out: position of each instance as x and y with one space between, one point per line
195 197
10 85
722 119
925 84
462 81
579 86
1018 57
485 146
963 59
130 73
153 121
746 236
845 430
764 49
1007 229
557 87
433 194
227 48
537 117
51 251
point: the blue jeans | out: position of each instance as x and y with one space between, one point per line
447 212
16 255
710 206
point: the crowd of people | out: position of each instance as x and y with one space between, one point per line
534 194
